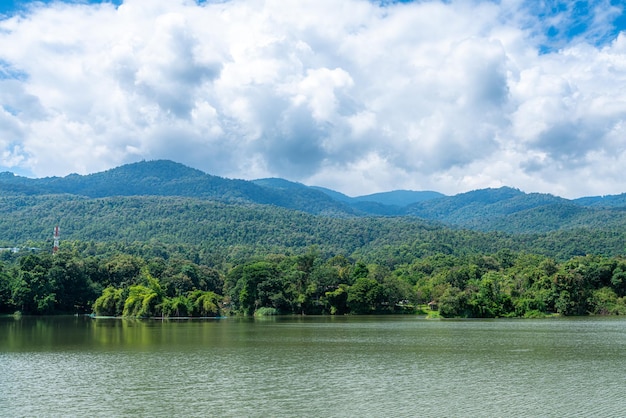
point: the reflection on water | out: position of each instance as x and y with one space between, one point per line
312 366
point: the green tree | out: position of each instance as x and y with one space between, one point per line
618 278
31 291
5 290
257 286
177 306
123 270
205 303
490 298
571 293
144 300
337 300
453 303
365 296
604 301
110 303
397 293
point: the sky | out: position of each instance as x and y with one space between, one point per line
360 96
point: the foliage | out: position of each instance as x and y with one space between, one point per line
205 303
501 284
110 303
265 311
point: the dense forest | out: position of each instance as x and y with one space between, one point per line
158 239
136 282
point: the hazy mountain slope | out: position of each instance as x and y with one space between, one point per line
399 197
479 207
295 195
334 194
391 203
394 198
278 183
512 211
611 201
7 189
155 178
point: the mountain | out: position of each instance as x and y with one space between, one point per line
167 178
479 206
281 184
240 231
503 209
511 210
217 226
399 197
334 194
611 201
386 203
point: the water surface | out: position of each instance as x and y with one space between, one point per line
312 366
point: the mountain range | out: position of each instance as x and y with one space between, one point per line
502 209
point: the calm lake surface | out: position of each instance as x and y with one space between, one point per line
313 366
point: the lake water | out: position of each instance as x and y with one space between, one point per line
313 367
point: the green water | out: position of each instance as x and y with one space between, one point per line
313 366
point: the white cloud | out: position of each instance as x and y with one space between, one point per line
449 96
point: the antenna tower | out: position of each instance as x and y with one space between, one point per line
55 248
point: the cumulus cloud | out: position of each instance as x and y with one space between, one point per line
357 95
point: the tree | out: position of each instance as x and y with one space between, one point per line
123 270
453 303
605 301
337 300
618 278
75 291
177 306
205 303
110 303
571 293
360 271
5 290
490 300
397 292
257 284
144 300
31 291
365 296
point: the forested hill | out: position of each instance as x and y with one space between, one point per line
510 210
167 178
504 209
161 239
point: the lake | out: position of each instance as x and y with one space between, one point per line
352 366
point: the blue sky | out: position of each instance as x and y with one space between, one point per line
355 95
13 6
577 19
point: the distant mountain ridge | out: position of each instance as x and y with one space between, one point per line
502 209
167 178
385 203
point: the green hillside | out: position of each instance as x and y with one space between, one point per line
171 203
167 178
161 239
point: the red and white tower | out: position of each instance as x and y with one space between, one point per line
55 247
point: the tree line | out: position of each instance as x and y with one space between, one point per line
168 283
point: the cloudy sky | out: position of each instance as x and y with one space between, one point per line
360 96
